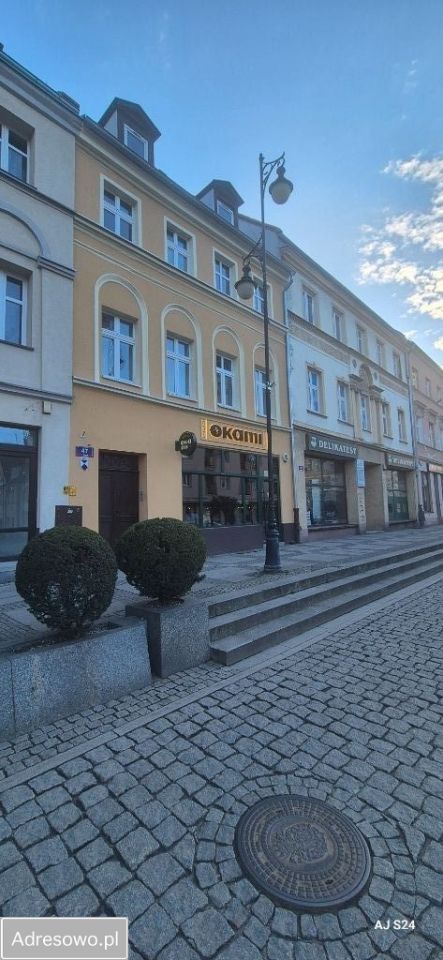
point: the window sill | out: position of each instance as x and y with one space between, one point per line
130 383
388 436
317 413
21 346
181 396
347 422
224 406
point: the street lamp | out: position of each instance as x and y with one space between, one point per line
280 190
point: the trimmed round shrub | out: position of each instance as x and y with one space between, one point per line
162 557
67 577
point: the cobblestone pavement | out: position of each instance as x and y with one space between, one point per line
143 825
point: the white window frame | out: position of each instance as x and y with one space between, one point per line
419 424
401 420
309 306
365 412
381 356
5 147
220 205
338 319
260 391
258 301
109 186
178 234
224 262
4 276
223 376
342 401
117 338
386 419
397 364
315 391
362 339
431 433
428 388
414 377
127 129
178 358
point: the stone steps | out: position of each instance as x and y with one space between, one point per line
271 620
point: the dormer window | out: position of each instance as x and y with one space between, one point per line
224 211
135 142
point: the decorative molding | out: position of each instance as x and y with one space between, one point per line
54 267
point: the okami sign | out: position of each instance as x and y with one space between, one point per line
232 435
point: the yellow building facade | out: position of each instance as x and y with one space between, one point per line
162 346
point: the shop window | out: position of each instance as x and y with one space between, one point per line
227 488
397 495
325 492
18 488
118 345
426 491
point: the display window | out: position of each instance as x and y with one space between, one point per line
397 495
225 488
325 492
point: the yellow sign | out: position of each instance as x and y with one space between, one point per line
231 435
70 491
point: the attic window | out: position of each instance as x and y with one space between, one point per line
224 211
135 142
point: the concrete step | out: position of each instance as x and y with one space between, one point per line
259 611
281 586
262 636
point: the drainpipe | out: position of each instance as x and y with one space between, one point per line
289 398
420 512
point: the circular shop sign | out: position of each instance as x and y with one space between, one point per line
187 444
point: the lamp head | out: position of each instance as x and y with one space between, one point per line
281 188
245 286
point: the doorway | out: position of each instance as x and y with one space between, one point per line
118 493
437 491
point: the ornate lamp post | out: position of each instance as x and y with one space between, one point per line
280 190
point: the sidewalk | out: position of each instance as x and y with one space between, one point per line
140 822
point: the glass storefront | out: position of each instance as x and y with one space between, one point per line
18 455
223 488
397 495
426 492
325 491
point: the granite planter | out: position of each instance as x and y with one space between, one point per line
178 633
46 683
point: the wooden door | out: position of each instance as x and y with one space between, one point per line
118 493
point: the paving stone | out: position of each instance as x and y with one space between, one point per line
118 828
81 902
236 913
80 834
14 880
136 847
58 879
256 931
429 883
337 951
360 947
328 927
152 814
206 874
91 797
240 949
136 797
28 903
169 831
94 853
178 950
182 900
80 782
263 909
219 895
108 769
46 853
9 854
121 782
352 920
73 767
104 811
433 855
160 872
15 797
279 949
63 817
108 876
5 830
412 947
208 931
153 928
45 781
131 900
284 923
53 798
184 851
24 813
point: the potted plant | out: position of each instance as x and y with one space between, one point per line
162 558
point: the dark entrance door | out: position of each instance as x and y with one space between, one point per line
118 493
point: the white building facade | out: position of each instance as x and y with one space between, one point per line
353 451
37 169
427 393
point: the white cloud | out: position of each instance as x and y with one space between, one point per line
410 334
404 250
438 344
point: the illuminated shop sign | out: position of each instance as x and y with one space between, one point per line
231 435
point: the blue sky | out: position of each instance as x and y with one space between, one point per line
351 90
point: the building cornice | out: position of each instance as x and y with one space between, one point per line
20 390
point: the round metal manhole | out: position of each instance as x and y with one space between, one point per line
302 853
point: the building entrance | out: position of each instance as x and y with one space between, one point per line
118 493
438 482
18 488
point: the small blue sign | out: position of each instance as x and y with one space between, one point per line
84 451
84 463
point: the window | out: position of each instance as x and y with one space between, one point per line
223 276
343 401
227 488
225 380
325 491
179 250
309 306
441 435
12 309
338 322
117 347
431 433
224 211
386 419
361 339
401 424
118 214
260 392
136 143
13 153
178 367
419 428
258 300
426 491
380 353
397 488
414 377
396 359
314 390
428 387
364 412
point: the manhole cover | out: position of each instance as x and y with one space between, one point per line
302 853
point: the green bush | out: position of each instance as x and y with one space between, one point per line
162 557
67 577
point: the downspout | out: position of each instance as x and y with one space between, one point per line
289 399
420 513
